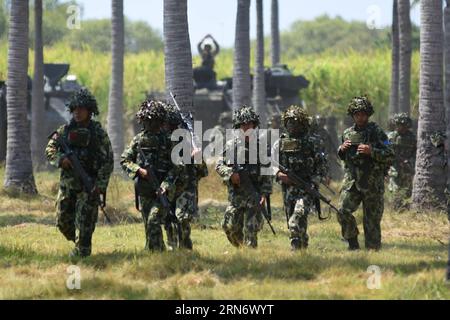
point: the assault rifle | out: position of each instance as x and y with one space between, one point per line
87 182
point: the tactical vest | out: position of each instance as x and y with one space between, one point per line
298 155
154 155
84 144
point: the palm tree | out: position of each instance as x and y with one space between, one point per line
393 99
19 169
447 96
178 55
430 178
115 108
259 83
275 31
404 29
447 69
241 74
37 96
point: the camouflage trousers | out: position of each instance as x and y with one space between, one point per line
76 211
373 207
154 216
297 207
241 225
185 209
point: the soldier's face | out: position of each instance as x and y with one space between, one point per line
247 126
361 119
81 114
402 129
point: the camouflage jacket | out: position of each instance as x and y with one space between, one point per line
225 168
92 147
189 176
366 172
156 151
304 155
404 146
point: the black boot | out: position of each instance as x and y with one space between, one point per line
353 244
295 244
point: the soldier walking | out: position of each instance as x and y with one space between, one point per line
301 152
147 159
77 208
243 217
366 153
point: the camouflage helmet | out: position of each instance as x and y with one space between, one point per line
297 113
245 115
360 104
83 98
402 119
438 139
151 110
173 116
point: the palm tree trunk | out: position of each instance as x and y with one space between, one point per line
19 169
430 178
259 83
404 24
37 96
447 78
241 74
115 108
178 55
275 31
394 99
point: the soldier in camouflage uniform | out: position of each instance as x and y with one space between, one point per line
302 152
243 219
185 196
318 128
151 146
366 152
76 209
401 173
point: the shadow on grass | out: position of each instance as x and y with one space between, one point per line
17 219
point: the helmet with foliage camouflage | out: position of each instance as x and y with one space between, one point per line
245 115
360 104
83 98
438 139
173 116
298 114
151 110
402 119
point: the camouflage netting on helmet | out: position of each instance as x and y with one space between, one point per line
83 98
245 115
402 119
360 104
173 116
296 113
151 110
438 139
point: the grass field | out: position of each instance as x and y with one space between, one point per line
34 256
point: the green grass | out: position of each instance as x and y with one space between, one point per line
34 256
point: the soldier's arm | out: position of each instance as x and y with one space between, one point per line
222 168
341 154
53 150
107 162
382 151
128 159
217 47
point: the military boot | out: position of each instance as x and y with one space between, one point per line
295 244
353 244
